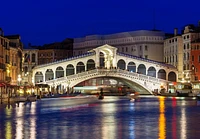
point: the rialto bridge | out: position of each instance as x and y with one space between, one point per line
140 74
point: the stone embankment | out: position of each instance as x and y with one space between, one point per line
17 99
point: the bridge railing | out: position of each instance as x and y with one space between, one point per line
107 72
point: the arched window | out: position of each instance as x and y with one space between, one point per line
33 57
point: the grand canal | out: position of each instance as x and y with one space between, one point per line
110 118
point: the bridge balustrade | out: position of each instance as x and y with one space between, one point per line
107 72
72 80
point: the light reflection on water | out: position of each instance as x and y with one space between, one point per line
162 121
111 118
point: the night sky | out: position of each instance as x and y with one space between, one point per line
45 21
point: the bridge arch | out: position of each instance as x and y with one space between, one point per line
80 67
142 69
59 72
49 75
137 86
39 77
131 67
162 74
121 64
69 70
90 64
102 59
151 72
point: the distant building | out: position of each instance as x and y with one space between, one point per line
30 60
55 51
173 51
143 43
195 60
15 57
178 51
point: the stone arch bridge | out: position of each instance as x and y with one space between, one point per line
105 61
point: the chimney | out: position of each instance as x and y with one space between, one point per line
175 31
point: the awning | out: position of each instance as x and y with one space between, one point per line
2 84
6 84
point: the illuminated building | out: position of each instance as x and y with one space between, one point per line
141 43
178 51
195 60
10 62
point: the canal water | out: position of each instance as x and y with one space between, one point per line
110 118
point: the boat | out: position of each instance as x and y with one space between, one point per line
198 96
133 96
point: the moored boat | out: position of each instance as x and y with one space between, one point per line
198 96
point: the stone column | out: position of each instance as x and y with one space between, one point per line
106 61
97 58
114 58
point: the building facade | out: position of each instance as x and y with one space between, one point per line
10 63
55 51
142 43
30 60
15 57
46 56
178 51
173 52
3 57
195 60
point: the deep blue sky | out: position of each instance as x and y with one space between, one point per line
47 21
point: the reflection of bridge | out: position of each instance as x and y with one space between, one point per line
104 61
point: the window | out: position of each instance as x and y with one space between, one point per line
192 58
146 56
33 57
184 67
146 48
184 57
188 46
126 49
199 59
